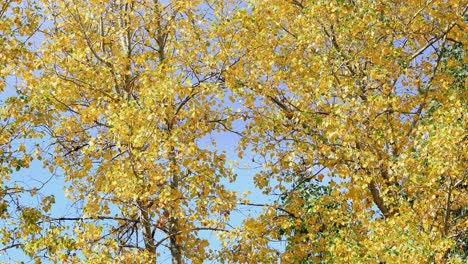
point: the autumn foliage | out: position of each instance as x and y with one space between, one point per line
352 112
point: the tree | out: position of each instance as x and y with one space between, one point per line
355 111
454 57
18 23
350 86
16 27
125 91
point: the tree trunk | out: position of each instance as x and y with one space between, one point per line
174 228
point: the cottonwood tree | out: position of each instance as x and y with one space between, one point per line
16 27
127 93
356 88
355 110
18 23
